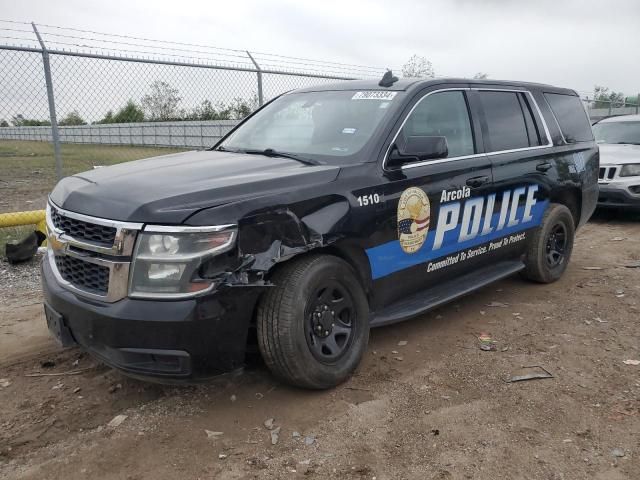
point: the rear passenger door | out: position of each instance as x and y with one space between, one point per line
518 146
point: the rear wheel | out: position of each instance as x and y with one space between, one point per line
313 324
550 246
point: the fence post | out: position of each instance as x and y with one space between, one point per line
637 102
52 103
260 97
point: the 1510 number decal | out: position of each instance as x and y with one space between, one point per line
371 199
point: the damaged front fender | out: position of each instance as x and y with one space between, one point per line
273 237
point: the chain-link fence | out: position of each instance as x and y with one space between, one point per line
603 108
72 100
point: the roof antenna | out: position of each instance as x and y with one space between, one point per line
388 79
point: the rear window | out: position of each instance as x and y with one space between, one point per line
572 118
506 122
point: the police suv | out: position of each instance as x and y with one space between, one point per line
328 211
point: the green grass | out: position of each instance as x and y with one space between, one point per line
22 157
27 172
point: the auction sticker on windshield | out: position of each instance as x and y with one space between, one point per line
374 95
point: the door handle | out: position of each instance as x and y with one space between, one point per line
543 167
476 182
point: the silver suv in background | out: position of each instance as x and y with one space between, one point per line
619 174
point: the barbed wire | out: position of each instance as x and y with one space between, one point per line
132 37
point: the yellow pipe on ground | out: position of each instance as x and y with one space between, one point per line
33 217
16 219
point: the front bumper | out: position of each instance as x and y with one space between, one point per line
167 340
617 196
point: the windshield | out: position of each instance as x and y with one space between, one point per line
323 124
617 132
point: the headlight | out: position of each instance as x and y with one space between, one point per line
166 259
631 170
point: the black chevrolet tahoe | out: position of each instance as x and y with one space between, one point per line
328 211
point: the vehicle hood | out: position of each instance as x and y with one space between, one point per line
619 154
171 188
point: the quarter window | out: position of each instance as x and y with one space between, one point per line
506 122
443 114
571 117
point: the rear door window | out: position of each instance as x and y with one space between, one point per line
506 122
571 117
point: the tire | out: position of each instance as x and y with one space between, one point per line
556 234
303 343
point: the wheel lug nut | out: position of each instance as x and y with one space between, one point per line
326 308
333 325
326 332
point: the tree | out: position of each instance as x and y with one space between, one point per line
208 111
72 118
129 113
480 76
20 121
604 97
418 67
162 103
108 118
240 107
4 123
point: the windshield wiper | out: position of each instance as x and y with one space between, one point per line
270 152
627 143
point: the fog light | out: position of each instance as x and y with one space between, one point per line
635 189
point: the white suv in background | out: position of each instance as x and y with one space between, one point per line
619 175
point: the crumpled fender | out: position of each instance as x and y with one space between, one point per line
270 238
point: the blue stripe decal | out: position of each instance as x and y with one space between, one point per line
389 257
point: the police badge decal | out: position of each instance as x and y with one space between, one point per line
414 212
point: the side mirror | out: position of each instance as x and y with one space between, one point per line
418 148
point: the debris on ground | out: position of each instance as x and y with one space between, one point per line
114 388
233 398
296 435
487 343
399 359
268 423
617 452
402 343
48 364
592 268
617 239
222 456
531 376
631 362
275 435
309 440
4 382
117 421
497 305
26 249
213 435
633 265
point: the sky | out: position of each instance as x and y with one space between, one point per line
569 43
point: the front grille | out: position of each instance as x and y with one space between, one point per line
83 230
607 173
84 275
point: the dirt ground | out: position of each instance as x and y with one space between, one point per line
435 408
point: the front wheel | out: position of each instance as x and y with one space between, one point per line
550 246
313 325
